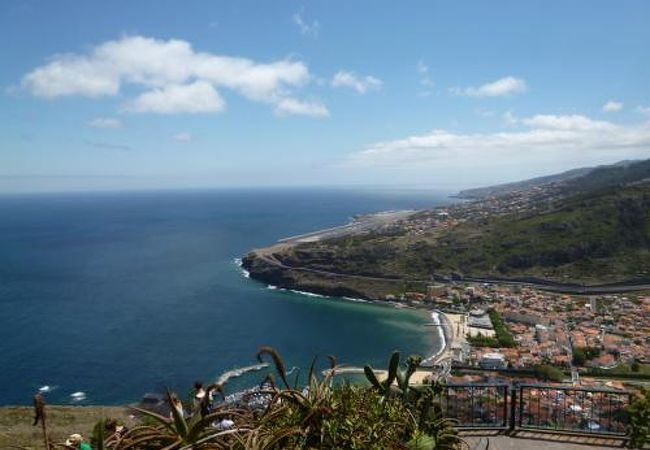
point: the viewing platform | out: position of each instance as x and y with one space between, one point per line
529 440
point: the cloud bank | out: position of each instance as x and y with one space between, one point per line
545 136
174 77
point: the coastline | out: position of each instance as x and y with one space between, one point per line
447 328
439 319
246 274
441 324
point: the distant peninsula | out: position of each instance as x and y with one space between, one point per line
585 230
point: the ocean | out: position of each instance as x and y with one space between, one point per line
112 295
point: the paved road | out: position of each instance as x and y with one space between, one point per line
267 255
373 221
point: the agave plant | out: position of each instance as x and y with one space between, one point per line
441 436
179 432
98 438
266 436
391 414
305 407
395 374
442 433
426 403
384 387
434 430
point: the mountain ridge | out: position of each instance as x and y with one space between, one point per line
505 188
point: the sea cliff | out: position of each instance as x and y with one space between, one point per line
263 267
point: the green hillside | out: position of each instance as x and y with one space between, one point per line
603 237
595 229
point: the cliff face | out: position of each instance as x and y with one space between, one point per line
267 270
262 269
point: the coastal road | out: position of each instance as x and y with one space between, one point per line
377 220
267 255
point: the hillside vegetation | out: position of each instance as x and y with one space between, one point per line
312 412
594 229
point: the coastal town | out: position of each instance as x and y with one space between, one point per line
493 327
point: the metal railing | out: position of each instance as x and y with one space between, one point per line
582 410
536 406
476 405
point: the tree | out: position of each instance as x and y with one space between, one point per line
549 373
579 357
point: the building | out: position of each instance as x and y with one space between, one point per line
436 291
541 333
480 319
492 361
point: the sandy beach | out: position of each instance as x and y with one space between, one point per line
444 330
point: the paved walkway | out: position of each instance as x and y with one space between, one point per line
529 440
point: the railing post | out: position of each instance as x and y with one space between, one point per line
506 390
513 407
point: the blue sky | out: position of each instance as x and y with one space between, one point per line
177 94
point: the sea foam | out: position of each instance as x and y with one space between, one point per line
244 272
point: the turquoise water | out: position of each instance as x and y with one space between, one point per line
118 294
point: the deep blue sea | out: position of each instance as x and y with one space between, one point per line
118 294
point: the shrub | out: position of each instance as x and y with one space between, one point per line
391 414
639 412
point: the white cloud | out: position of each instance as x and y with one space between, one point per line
498 88
612 106
291 106
72 75
573 122
425 79
642 109
361 84
306 29
183 138
198 97
548 136
105 122
168 71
